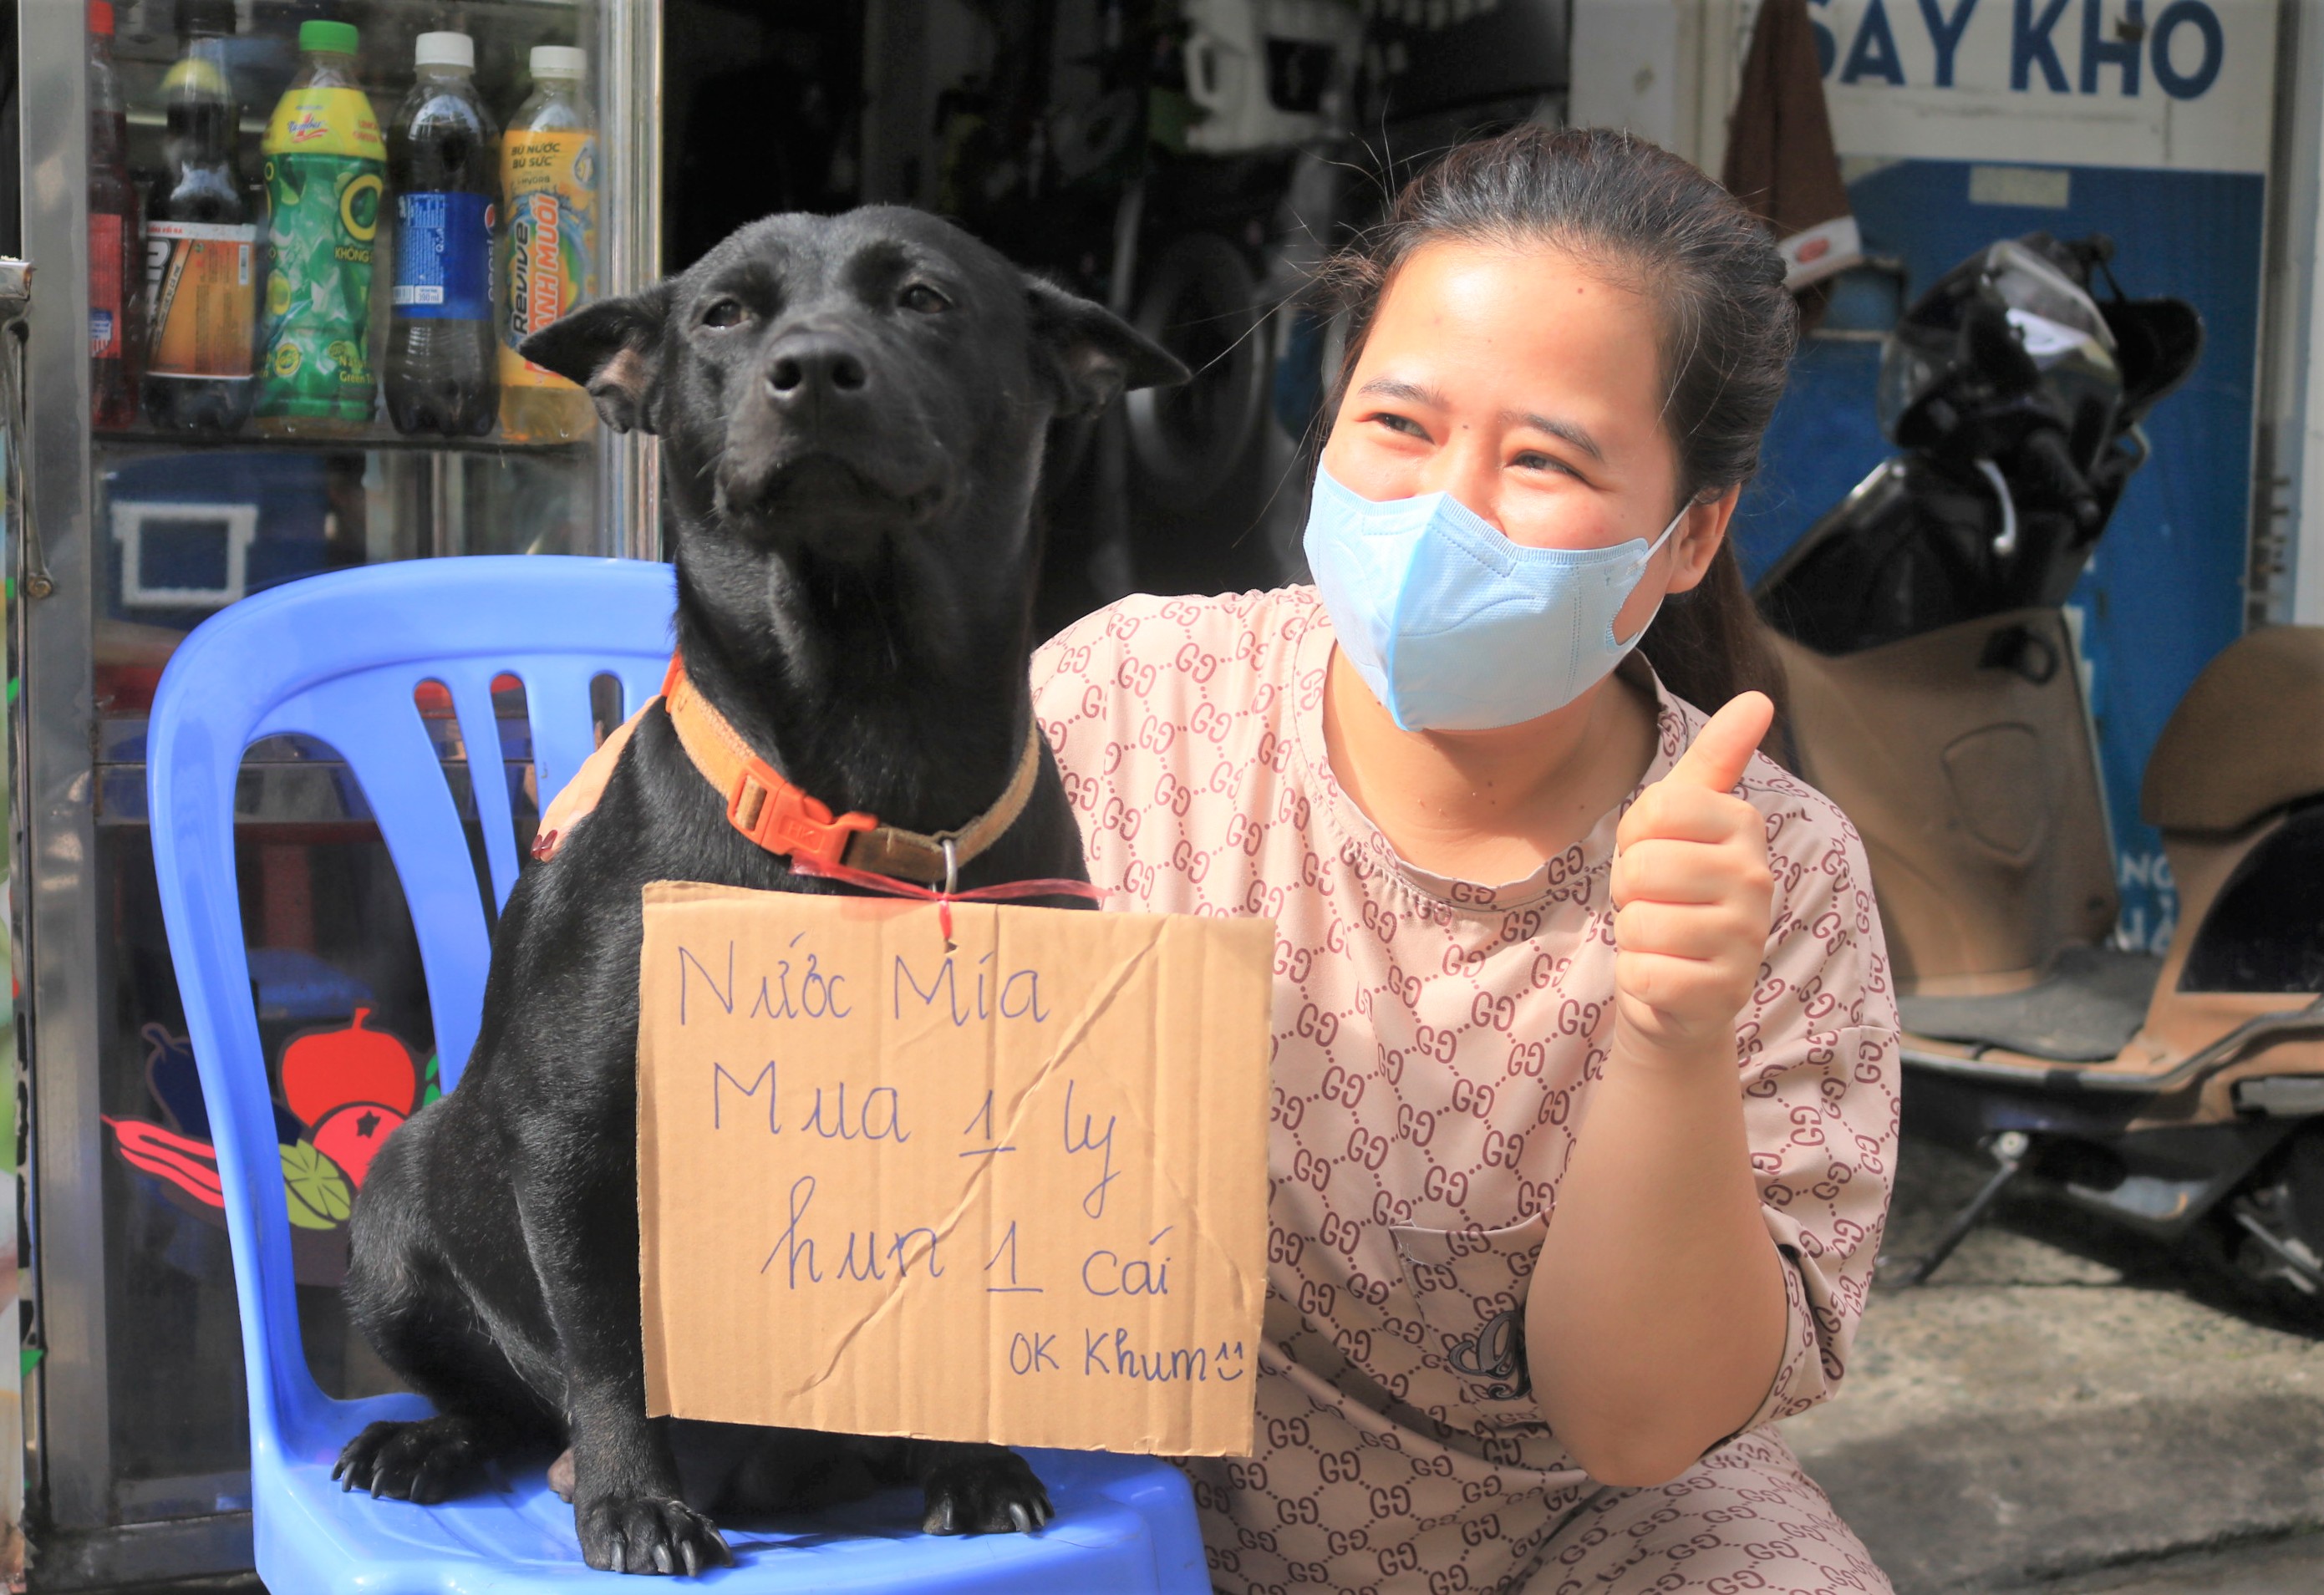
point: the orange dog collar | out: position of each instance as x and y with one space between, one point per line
780 816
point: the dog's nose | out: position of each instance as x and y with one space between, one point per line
808 368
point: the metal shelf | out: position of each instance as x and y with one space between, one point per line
147 440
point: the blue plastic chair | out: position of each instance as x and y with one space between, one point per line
338 657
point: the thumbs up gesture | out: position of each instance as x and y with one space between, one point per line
1692 896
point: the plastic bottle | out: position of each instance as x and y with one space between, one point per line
549 242
116 253
326 177
201 242
440 369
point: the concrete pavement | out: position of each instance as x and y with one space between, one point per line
2266 1567
2064 1409
2065 1403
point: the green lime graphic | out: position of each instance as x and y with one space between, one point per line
316 1190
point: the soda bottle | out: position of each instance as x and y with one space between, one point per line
549 242
201 242
439 368
324 179
116 259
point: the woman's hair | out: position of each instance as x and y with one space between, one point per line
1642 216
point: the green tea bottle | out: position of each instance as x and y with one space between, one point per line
326 169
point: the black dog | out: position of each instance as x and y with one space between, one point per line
852 412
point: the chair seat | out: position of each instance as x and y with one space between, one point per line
1123 1524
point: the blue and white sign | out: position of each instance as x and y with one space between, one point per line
1959 122
2170 85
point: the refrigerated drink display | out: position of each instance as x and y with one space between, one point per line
113 246
326 177
201 242
439 369
549 248
206 187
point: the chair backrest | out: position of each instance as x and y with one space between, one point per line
340 658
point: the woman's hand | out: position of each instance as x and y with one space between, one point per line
1656 1317
1692 896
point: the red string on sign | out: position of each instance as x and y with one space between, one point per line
943 900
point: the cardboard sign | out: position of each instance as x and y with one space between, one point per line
1011 1189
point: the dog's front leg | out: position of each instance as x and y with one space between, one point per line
581 1227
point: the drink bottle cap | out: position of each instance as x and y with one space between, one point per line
100 18
445 49
331 38
559 61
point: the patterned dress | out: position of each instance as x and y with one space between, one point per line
1435 1044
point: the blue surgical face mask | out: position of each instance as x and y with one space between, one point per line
1453 626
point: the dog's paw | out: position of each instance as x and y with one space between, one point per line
988 1491
648 1533
425 1462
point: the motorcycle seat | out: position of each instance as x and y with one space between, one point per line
2084 1009
2243 742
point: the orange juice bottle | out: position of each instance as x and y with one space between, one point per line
549 244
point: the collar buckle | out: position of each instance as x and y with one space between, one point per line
780 818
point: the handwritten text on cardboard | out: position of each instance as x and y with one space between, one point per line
1013 1189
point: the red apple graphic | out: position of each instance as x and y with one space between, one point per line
328 1069
351 1137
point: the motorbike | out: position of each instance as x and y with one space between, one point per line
1936 696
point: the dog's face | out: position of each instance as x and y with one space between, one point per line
832 386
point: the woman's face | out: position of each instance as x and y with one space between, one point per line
1529 387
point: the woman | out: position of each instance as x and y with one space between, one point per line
1585 1054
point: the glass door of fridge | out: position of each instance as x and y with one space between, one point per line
283 248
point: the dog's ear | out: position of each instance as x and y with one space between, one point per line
611 347
1096 354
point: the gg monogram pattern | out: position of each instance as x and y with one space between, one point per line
1436 1042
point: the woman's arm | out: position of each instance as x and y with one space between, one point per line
1656 1319
1657 1316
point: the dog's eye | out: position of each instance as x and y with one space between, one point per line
726 312
922 298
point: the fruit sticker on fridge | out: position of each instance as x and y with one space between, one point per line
344 1092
